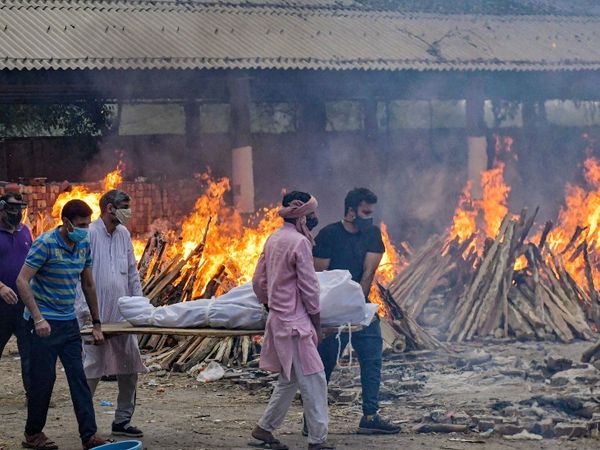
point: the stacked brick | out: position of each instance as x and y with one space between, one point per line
169 201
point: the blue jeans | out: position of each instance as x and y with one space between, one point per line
64 342
12 323
369 347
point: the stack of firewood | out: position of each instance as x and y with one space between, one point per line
437 272
539 300
462 296
401 332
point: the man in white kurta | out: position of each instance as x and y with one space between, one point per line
115 272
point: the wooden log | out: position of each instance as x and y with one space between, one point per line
440 428
573 240
178 350
555 318
591 352
466 312
518 300
573 320
544 236
538 299
245 349
431 282
172 274
517 323
194 343
496 300
589 276
201 353
160 276
416 337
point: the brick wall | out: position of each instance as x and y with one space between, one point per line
150 201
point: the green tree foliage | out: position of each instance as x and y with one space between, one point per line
82 119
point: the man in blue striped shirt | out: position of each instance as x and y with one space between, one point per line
47 284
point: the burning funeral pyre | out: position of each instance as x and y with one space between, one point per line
491 275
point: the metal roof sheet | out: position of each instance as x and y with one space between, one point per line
163 35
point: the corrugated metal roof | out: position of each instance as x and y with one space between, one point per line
163 35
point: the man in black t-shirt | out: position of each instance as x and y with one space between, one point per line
356 245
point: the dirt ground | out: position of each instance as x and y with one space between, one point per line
177 412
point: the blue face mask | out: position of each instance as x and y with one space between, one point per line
78 234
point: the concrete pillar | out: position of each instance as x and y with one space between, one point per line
242 175
476 136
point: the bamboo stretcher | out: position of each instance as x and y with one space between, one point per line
111 329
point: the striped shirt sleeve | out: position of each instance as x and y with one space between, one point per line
88 257
38 254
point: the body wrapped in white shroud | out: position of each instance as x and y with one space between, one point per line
342 303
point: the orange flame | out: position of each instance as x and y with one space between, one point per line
490 210
495 197
111 181
464 224
389 267
233 241
582 208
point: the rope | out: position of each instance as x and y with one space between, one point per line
339 340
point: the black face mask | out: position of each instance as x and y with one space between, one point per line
363 224
312 222
13 218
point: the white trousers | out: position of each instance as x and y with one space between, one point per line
126 398
314 398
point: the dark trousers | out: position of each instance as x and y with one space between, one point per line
12 323
369 347
65 343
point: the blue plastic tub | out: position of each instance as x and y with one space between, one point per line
123 445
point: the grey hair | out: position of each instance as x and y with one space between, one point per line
114 197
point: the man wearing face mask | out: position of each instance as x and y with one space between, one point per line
286 281
116 275
356 245
15 241
57 261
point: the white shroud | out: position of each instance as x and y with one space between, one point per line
342 303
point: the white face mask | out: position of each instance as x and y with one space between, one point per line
123 215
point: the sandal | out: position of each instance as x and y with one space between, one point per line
322 446
39 441
274 444
95 441
267 441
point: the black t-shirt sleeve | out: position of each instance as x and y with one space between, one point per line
375 241
323 245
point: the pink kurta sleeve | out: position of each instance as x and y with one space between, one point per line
308 285
259 280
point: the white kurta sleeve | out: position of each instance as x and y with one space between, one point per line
135 285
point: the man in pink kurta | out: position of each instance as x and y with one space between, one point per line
286 281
